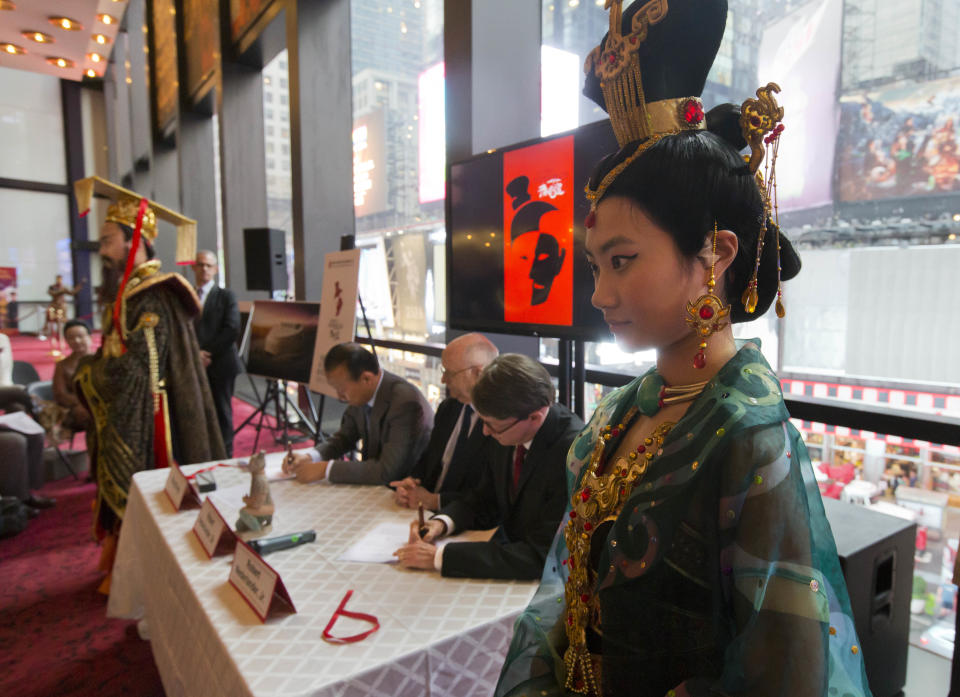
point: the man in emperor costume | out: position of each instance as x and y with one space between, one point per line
146 387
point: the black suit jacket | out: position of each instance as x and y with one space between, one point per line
463 473
217 330
528 520
400 425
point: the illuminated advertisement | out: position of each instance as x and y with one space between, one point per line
538 233
432 134
369 164
801 53
900 142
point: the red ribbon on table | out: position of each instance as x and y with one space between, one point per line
327 636
209 469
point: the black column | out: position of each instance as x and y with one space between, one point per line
492 62
70 97
242 167
321 122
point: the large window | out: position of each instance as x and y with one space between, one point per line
398 160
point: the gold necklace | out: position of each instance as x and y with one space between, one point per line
600 498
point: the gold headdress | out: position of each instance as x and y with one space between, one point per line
649 71
125 208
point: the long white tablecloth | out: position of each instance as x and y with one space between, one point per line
437 636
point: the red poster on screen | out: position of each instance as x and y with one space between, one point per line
538 233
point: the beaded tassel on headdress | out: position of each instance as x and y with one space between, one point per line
760 121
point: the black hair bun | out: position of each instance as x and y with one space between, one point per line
724 121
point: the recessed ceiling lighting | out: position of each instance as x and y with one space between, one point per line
91 72
12 49
107 19
37 36
101 39
65 23
60 62
95 57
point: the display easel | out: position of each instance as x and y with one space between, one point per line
276 393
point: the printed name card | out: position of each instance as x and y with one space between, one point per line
258 583
212 530
180 491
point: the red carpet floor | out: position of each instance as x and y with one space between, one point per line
55 638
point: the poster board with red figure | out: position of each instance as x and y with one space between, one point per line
538 233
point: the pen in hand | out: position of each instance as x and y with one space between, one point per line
423 528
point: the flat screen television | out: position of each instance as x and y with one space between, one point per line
515 235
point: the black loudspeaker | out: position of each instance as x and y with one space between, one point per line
876 555
265 257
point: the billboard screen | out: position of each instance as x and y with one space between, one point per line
369 164
900 142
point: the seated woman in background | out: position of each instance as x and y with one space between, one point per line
76 417
695 558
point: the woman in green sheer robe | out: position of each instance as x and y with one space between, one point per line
694 559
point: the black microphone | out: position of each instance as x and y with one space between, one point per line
266 545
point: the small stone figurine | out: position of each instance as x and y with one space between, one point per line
257 512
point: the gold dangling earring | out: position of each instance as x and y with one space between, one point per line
708 313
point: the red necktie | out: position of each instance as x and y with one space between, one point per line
517 465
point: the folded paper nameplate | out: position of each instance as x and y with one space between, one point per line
216 537
180 491
258 583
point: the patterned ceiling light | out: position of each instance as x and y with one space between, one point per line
95 57
65 23
91 72
37 36
107 19
101 39
60 62
12 49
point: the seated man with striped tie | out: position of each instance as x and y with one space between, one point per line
451 464
389 414
523 488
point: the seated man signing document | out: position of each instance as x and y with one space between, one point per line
390 416
523 490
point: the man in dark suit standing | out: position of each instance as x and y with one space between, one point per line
390 415
217 328
452 462
524 486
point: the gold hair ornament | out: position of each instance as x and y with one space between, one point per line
761 125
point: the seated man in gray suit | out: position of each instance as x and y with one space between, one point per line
390 415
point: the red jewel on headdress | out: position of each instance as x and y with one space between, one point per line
615 432
588 527
706 312
585 494
612 58
573 514
641 449
692 112
584 597
590 220
755 121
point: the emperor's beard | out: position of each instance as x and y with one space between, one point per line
110 284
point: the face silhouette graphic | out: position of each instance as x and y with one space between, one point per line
547 262
548 257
